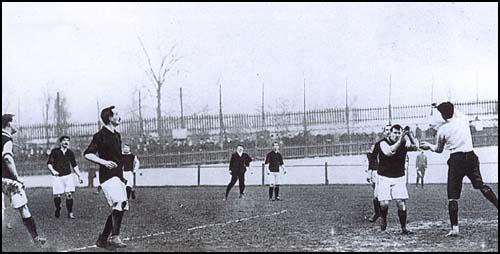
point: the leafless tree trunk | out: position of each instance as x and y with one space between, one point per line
158 79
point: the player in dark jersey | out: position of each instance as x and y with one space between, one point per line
12 187
391 183
61 162
275 161
372 178
130 166
238 165
105 150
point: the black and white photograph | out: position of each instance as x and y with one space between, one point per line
249 127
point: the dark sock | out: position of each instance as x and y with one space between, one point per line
490 195
69 205
242 188
276 191
57 202
108 227
271 192
129 191
453 211
402 218
383 211
31 226
117 221
227 191
376 206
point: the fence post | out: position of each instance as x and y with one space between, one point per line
263 173
178 159
326 173
199 174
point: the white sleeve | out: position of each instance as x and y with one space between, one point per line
7 149
385 148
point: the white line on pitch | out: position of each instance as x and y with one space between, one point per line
189 229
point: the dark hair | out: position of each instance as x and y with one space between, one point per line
6 119
241 145
106 114
126 145
275 142
397 127
446 109
64 137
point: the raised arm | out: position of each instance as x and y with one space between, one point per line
8 158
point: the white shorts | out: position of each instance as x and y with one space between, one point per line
129 176
62 184
115 191
15 192
391 188
274 178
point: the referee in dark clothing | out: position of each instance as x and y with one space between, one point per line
238 165
105 149
455 135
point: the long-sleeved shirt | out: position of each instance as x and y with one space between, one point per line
238 163
108 146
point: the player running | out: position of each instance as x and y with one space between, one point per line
275 161
105 150
130 166
61 162
455 135
12 187
391 184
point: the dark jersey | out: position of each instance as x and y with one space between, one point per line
62 162
275 160
392 166
5 170
108 146
128 162
373 156
238 164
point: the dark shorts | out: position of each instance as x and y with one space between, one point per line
460 165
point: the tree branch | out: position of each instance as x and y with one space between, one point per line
149 60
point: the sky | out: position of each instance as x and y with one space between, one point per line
90 53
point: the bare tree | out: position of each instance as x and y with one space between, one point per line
158 78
